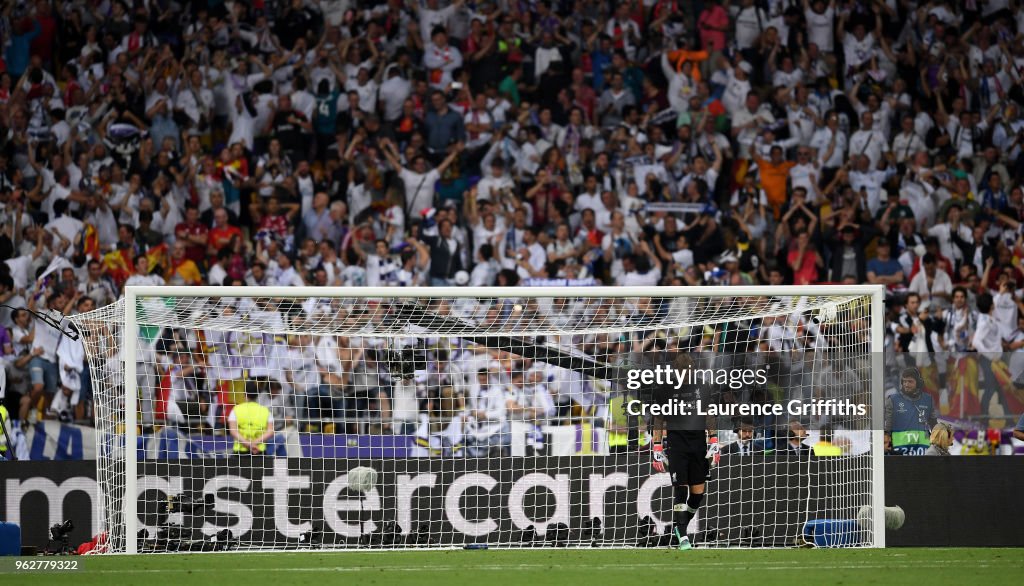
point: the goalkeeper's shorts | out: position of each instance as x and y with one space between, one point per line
687 463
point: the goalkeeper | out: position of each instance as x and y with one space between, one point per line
686 446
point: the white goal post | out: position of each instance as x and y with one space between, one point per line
452 416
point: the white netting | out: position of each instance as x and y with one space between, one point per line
486 420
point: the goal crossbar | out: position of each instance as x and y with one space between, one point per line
524 292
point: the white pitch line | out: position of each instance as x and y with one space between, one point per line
683 564
539 550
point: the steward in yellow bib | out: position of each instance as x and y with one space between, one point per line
619 427
825 447
250 423
4 433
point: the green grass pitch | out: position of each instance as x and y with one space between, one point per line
539 567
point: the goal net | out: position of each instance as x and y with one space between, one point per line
317 418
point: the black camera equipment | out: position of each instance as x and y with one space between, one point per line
388 534
59 537
314 537
224 540
591 531
187 535
529 537
420 535
558 535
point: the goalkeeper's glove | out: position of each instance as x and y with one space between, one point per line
713 451
659 461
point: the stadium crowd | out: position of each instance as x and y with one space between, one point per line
666 142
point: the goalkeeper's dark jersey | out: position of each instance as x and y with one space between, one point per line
689 442
692 422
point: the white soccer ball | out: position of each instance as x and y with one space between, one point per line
517 308
362 479
827 314
894 517
864 517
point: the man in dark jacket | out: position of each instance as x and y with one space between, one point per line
977 250
795 445
848 258
445 255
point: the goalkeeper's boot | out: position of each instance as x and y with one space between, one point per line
683 542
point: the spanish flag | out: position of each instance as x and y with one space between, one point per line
118 265
1013 398
157 257
89 242
930 375
964 400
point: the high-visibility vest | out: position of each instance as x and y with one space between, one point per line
827 449
3 436
616 408
252 419
505 47
618 416
616 438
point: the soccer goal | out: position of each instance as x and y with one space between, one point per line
250 418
